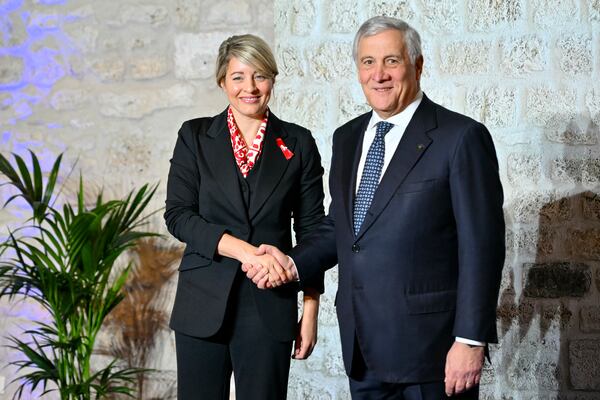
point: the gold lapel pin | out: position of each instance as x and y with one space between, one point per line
420 146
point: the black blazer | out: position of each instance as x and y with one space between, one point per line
204 201
426 264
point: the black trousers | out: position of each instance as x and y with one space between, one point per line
260 364
364 386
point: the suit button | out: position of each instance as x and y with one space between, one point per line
355 248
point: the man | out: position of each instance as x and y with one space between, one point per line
416 227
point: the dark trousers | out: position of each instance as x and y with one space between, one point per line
260 364
364 386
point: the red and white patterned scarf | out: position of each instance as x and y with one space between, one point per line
246 156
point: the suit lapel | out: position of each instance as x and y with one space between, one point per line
412 146
351 151
216 147
273 164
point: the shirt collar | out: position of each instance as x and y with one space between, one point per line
400 119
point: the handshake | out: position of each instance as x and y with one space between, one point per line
268 267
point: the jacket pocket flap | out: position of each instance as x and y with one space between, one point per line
193 260
410 187
431 302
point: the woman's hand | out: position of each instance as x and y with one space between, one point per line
251 258
306 338
267 265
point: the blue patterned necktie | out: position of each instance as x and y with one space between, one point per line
370 175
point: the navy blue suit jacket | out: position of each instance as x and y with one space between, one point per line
426 264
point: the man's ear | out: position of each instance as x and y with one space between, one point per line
419 67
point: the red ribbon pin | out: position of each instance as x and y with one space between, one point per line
287 153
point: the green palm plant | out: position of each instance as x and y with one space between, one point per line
67 262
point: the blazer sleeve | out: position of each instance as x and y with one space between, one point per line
181 212
308 209
477 199
317 252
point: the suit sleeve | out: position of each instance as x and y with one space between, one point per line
181 212
317 253
477 204
308 211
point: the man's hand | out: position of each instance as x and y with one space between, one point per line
259 264
463 367
268 274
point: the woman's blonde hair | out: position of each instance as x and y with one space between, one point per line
250 50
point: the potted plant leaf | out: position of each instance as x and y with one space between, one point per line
67 261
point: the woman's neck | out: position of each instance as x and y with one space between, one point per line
248 126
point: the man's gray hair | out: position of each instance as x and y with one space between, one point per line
376 25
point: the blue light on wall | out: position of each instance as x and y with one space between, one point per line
34 54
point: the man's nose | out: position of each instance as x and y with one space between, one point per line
380 73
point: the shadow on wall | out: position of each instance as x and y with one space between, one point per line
556 343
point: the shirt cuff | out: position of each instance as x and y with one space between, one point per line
463 340
294 269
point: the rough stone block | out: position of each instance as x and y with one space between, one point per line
13 30
523 55
83 35
69 99
483 15
138 103
586 170
351 103
109 69
528 372
149 68
301 16
464 57
439 17
524 207
290 62
342 16
594 10
144 14
195 54
557 211
591 206
445 96
551 108
523 241
554 280
494 106
391 8
187 13
220 13
524 168
11 70
578 131
546 247
584 366
592 101
575 54
40 22
308 106
555 13
590 319
331 60
584 244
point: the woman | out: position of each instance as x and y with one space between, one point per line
236 180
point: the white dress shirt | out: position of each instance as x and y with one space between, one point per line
392 138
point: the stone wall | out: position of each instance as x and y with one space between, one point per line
108 83
528 69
